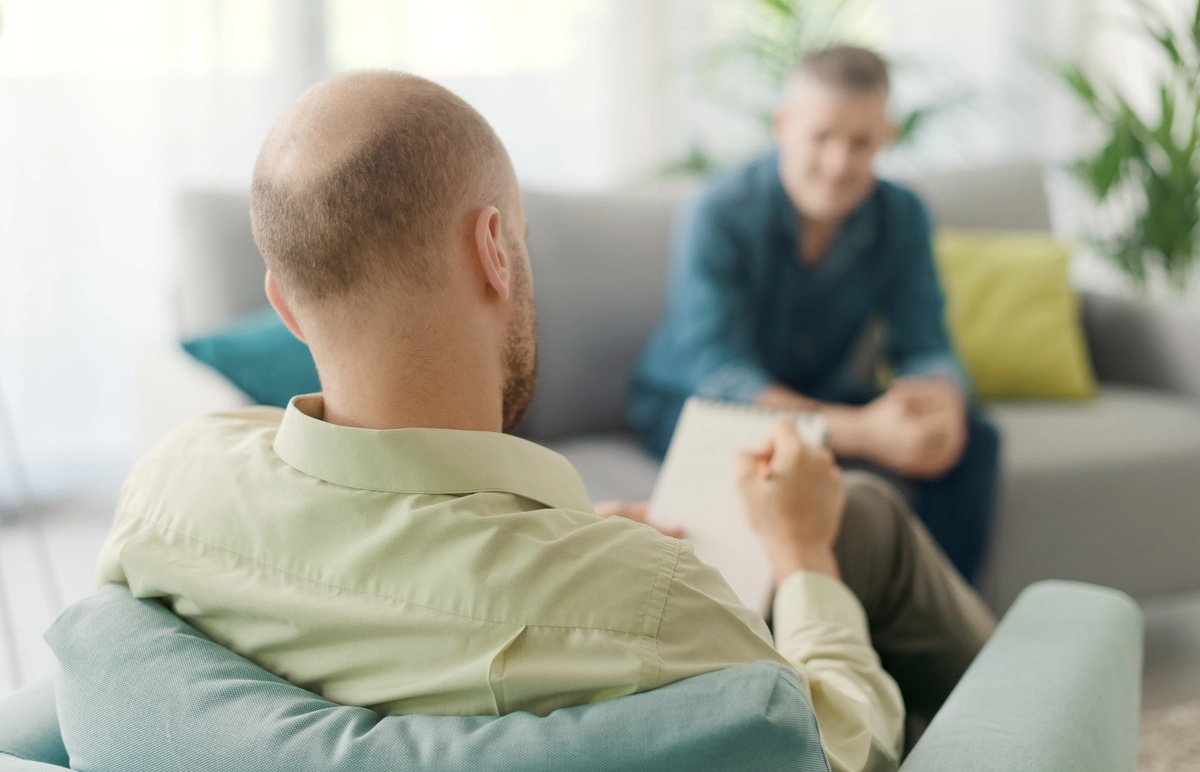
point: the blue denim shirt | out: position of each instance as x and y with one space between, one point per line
743 312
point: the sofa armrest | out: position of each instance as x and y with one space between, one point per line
29 736
1143 344
1057 687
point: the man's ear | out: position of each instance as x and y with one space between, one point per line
280 304
495 263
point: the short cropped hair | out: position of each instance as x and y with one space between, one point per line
374 212
847 68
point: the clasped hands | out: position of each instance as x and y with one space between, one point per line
917 427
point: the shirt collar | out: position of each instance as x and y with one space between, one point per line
433 461
786 218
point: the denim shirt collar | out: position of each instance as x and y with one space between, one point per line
853 239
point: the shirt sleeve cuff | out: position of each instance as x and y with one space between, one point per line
937 366
734 384
809 596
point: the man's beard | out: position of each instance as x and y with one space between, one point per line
520 356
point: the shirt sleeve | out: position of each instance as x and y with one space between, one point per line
918 342
821 631
709 304
821 628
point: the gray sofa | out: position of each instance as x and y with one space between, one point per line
1104 491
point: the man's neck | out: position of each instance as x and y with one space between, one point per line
816 236
392 391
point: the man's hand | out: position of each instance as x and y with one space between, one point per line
794 498
918 427
638 512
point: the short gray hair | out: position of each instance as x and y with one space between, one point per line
851 69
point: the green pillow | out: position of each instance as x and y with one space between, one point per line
1013 315
260 356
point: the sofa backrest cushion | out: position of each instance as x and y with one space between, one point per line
599 266
139 689
219 272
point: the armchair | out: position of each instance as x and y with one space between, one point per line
1056 688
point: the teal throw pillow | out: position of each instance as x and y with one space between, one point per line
260 356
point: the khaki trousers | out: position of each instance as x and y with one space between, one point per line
926 623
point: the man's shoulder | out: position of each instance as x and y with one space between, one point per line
217 429
232 434
616 560
744 190
900 202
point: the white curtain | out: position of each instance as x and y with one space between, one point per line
105 109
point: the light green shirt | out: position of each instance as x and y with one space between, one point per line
462 573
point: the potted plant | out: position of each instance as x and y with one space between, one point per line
1145 172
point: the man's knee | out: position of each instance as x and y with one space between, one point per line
874 533
873 506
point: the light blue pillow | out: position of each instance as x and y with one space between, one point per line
138 689
260 356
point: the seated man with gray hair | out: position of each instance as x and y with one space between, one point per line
385 544
780 270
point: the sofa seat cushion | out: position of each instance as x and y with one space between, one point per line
1125 425
1106 491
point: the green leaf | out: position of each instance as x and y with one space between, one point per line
1196 27
1164 133
1166 41
697 161
1182 50
910 124
1166 102
1078 81
782 8
1103 171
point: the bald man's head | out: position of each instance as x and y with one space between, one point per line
363 181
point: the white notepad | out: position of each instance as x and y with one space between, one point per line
697 489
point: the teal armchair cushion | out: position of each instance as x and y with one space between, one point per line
260 356
29 737
138 689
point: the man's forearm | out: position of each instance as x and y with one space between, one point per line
821 628
847 430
